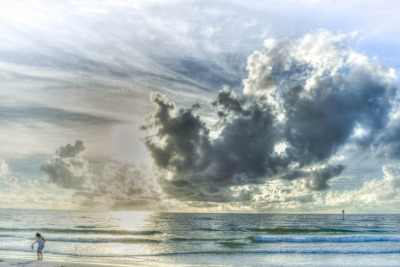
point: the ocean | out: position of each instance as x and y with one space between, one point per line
128 237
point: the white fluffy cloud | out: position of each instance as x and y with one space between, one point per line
374 193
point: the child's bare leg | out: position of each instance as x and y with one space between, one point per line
41 255
38 254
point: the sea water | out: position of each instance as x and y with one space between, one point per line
128 237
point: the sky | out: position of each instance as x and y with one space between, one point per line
200 106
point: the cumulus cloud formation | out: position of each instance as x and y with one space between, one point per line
68 169
114 185
375 193
302 101
71 150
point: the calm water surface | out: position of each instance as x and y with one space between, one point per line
219 239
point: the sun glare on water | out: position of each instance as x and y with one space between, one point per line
131 230
131 220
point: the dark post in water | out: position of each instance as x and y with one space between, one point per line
343 214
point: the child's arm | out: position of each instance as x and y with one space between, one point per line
44 240
34 242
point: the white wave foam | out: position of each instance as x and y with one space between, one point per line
334 239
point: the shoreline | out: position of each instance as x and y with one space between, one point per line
32 262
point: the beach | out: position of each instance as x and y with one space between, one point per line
44 263
32 262
128 238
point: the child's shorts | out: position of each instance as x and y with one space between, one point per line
40 247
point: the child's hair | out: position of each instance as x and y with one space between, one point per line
38 234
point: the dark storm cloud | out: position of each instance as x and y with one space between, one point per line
309 95
388 144
186 144
322 120
228 101
198 167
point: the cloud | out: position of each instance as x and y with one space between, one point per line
315 179
110 185
180 146
68 169
387 144
168 51
69 150
187 52
375 194
13 182
55 116
309 96
122 185
39 128
4 170
196 167
323 90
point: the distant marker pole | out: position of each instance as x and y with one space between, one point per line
343 214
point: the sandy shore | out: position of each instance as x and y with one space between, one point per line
46 263
29 262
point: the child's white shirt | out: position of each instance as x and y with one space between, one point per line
40 241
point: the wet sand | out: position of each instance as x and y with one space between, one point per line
31 262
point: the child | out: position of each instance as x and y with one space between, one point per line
40 240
